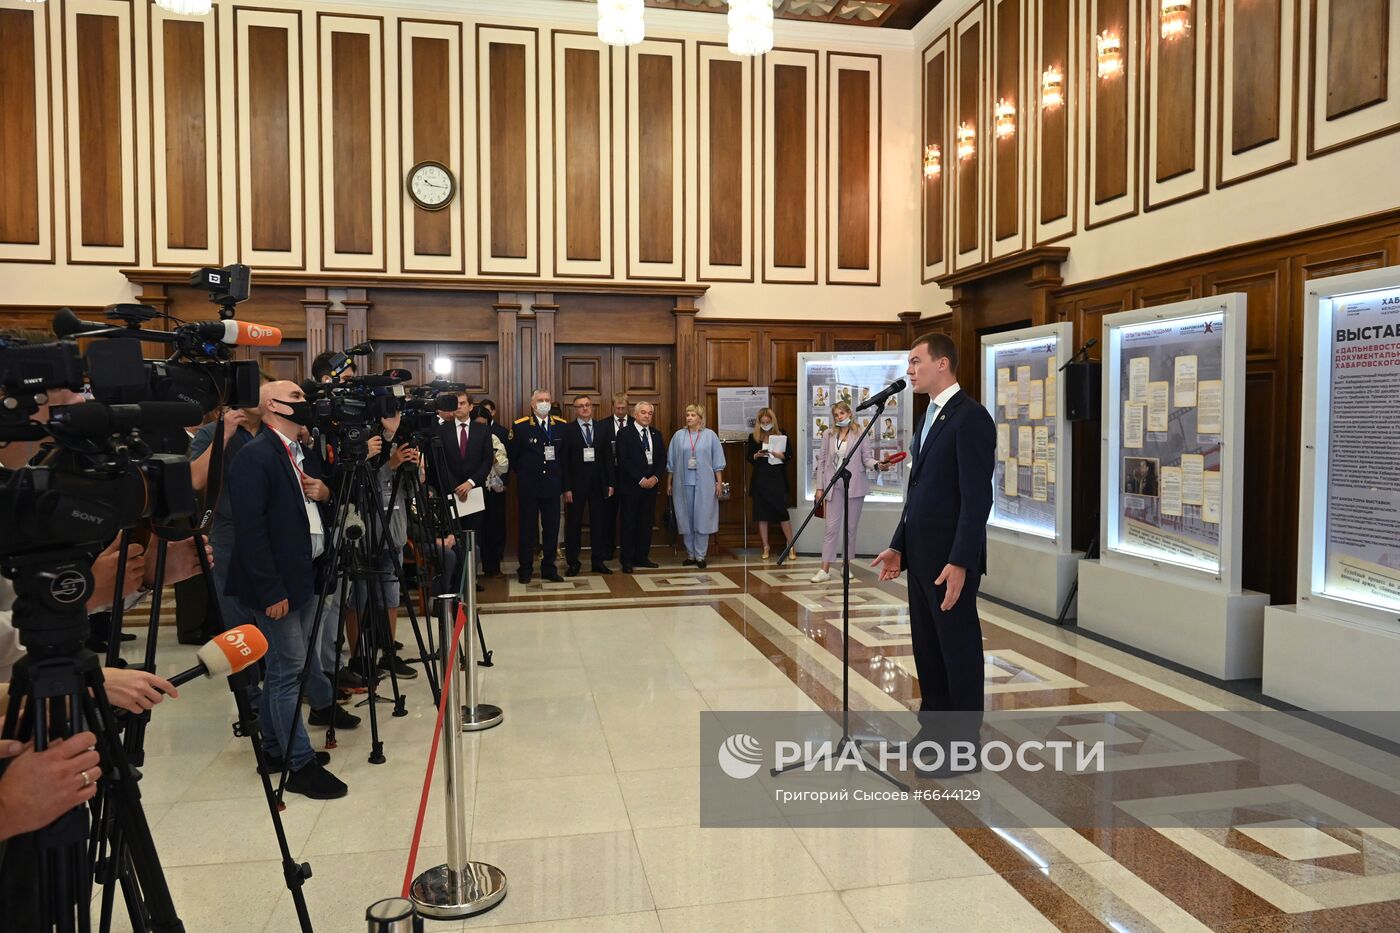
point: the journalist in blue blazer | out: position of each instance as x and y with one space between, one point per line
941 538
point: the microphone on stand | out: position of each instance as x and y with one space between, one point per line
225 655
1082 351
894 388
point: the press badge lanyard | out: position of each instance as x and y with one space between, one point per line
313 513
693 462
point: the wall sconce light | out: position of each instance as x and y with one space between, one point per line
1052 88
1110 54
1176 18
933 161
966 146
1005 115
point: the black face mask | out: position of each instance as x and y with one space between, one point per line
300 412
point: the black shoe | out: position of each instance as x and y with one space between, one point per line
343 719
524 575
701 563
572 570
401 669
552 576
480 587
314 781
688 562
601 568
649 564
275 762
398 645
349 680
491 572
626 568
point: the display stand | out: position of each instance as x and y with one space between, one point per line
1336 652
1168 580
1029 560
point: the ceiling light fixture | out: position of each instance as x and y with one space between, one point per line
750 27
621 22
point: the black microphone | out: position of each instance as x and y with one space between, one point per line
93 419
1082 351
894 388
68 324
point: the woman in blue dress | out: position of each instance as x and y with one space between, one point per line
695 465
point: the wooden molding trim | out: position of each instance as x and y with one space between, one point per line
1030 257
432 283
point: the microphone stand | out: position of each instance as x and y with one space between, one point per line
842 475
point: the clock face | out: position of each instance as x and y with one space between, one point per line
431 185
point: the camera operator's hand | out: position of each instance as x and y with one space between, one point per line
104 574
234 418
401 454
568 497
181 562
374 445
39 787
462 490
315 489
448 542
277 610
135 691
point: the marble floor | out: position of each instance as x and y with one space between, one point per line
587 794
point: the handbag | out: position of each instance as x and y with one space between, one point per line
820 510
668 518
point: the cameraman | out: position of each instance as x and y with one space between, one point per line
323 368
278 532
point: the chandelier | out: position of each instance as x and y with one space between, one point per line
186 7
1110 57
750 27
1176 18
1052 88
967 147
620 22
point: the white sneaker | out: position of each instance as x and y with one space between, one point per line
821 576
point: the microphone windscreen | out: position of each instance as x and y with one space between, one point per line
244 334
232 651
66 323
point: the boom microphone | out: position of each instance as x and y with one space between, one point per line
894 388
236 333
225 655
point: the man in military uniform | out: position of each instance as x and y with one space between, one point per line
537 459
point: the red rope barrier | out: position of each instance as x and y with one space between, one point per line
432 753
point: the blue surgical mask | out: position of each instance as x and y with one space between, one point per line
844 423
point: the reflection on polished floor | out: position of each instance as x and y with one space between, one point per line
587 795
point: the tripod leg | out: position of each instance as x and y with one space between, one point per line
424 652
481 637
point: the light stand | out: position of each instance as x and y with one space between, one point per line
847 741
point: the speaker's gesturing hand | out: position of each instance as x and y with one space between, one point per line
888 562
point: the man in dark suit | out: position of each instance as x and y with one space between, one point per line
536 457
466 459
941 538
278 533
589 485
641 456
608 431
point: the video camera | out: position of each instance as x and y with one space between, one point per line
425 405
347 412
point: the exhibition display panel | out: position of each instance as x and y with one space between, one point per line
1171 493
823 379
1338 648
1029 561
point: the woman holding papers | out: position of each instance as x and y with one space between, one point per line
836 445
695 465
767 450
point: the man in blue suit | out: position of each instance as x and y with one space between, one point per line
941 538
278 533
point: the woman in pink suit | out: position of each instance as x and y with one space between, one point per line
835 446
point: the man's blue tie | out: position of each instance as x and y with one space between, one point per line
929 415
588 433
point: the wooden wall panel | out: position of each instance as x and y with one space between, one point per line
1005 183
968 108
430 129
1111 127
268 121
351 71
1357 34
790 166
935 132
583 180
1256 102
507 151
186 209
1355 51
853 174
1177 76
656 160
26 197
100 112
1056 140
724 96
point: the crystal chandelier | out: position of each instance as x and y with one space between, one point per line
1005 114
621 22
1052 88
967 147
933 160
186 7
1176 18
750 27
1110 58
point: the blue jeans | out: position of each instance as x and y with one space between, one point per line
234 612
287 640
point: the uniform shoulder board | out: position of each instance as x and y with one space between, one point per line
557 420
522 420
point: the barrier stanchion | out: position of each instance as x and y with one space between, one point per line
461 887
475 716
393 915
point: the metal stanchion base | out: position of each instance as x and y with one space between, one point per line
485 716
481 887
